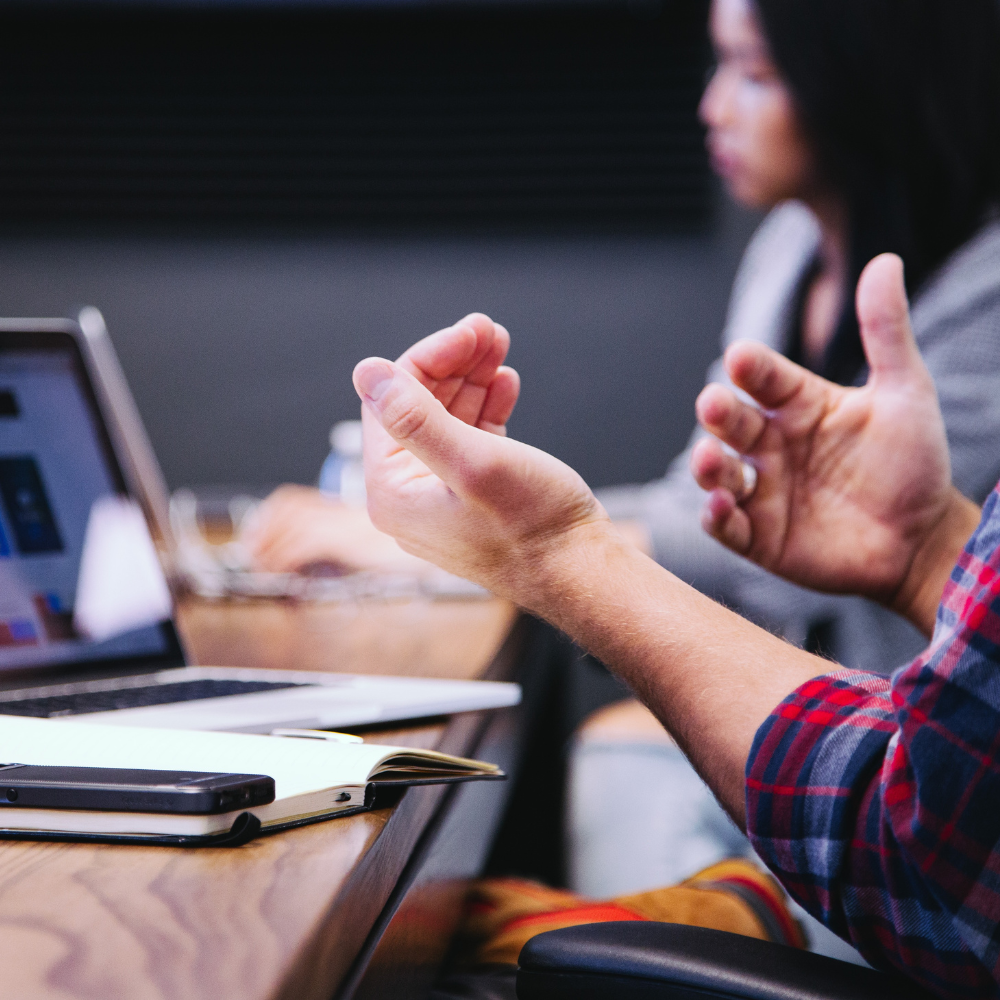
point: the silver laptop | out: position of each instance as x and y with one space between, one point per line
72 447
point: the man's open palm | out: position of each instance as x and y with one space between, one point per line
851 481
443 479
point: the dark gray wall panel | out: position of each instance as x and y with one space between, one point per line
240 350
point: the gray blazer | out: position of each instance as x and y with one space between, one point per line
956 319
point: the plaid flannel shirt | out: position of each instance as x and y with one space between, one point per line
876 801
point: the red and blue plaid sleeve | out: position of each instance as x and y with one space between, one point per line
876 801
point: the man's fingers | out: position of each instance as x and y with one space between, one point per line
494 352
459 363
410 415
500 400
731 420
725 520
491 403
467 401
449 353
458 350
765 374
715 469
884 319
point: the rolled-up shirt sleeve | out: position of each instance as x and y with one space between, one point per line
876 800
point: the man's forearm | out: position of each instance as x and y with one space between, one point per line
920 594
709 675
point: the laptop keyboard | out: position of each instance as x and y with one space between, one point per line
81 702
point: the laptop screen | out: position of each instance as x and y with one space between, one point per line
56 468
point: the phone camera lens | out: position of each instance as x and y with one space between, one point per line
11 794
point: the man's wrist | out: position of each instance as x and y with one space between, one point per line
564 569
920 594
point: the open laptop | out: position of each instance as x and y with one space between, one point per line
71 443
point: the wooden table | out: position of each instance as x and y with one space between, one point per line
337 909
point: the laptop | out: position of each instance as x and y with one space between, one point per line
72 447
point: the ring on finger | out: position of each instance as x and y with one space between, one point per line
749 479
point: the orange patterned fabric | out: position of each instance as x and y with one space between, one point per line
502 914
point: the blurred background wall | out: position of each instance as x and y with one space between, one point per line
256 197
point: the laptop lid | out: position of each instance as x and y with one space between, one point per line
58 465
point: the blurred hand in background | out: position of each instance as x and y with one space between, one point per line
297 529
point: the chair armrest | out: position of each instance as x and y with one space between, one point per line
641 960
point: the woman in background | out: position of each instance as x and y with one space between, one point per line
865 126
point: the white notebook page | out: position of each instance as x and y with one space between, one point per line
298 766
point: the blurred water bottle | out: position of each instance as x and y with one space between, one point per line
343 472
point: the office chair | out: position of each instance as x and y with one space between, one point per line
652 961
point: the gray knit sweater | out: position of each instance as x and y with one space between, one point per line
956 319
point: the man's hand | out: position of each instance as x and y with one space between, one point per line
482 506
525 525
297 528
463 367
853 490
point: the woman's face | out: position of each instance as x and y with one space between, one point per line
755 140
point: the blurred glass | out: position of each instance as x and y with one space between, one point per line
343 473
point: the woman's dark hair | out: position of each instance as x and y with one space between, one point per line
901 100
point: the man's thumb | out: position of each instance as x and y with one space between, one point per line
884 320
411 415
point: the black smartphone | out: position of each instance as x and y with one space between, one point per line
127 789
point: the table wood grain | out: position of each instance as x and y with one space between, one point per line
284 916
450 639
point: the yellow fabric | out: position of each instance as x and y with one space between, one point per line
503 914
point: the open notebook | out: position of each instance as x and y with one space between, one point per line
314 778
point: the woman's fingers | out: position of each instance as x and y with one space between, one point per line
726 521
713 468
280 508
731 420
